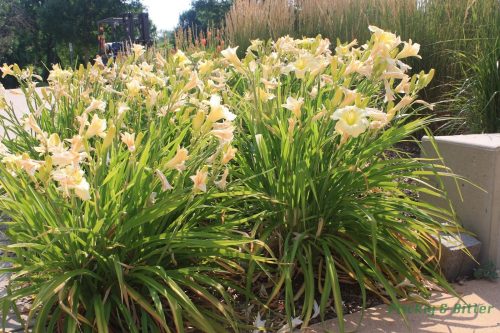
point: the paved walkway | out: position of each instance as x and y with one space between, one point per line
16 97
482 296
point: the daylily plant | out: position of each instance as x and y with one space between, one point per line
142 190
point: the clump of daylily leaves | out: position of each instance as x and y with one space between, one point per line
124 217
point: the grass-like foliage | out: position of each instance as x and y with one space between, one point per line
134 209
476 100
117 222
320 132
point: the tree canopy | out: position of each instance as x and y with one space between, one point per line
205 13
38 32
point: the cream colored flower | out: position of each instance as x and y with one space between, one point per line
294 105
134 87
28 165
404 102
82 190
384 42
229 154
58 74
409 50
255 44
200 181
6 70
378 118
224 132
351 121
222 183
230 55
165 185
181 58
205 67
97 127
96 105
122 108
350 96
67 157
76 143
219 111
264 95
31 124
72 178
129 140
138 50
179 160
193 81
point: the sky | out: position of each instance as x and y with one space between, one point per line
165 13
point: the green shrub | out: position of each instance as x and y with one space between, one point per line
320 135
116 222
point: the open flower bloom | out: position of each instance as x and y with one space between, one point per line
138 50
351 121
129 140
72 178
224 132
96 105
230 55
294 105
179 160
219 111
67 157
28 165
378 118
97 127
82 190
6 70
205 67
181 58
52 144
200 181
409 50
134 87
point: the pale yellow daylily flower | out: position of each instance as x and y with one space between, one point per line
165 185
179 160
230 55
409 50
97 127
72 178
200 181
224 132
6 70
294 105
351 121
219 111
181 58
205 67
138 50
134 87
129 140
29 165
96 105
222 183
